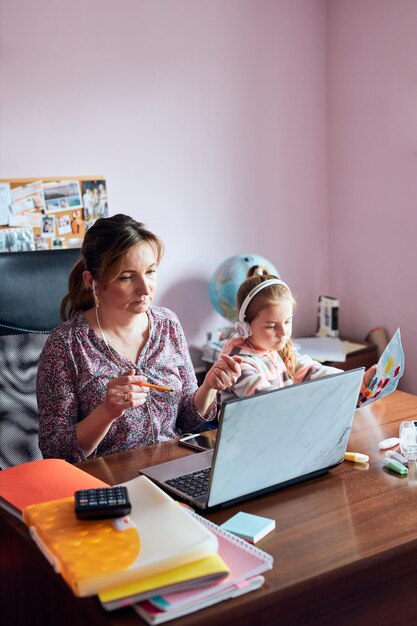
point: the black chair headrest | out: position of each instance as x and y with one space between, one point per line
32 285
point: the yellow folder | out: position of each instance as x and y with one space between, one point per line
195 574
86 553
96 556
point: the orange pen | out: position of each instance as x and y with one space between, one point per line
152 386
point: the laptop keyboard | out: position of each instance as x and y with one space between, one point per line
194 484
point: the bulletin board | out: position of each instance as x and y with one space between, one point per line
49 213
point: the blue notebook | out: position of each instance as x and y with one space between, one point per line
248 526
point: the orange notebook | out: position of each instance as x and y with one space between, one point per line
42 481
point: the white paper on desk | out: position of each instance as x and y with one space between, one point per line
350 346
321 348
389 370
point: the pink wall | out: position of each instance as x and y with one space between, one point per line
206 117
209 120
372 61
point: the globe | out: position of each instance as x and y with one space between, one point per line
228 277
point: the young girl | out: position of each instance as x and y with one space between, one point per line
268 357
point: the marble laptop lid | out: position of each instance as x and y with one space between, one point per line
271 440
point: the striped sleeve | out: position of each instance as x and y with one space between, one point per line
259 372
308 369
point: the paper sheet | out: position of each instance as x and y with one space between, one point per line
389 370
5 204
321 348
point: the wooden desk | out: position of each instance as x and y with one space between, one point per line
345 547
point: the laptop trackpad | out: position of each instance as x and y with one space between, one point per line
178 467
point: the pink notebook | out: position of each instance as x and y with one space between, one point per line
243 559
152 615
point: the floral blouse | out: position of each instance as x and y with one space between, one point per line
75 367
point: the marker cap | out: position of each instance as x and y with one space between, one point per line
395 466
397 457
388 443
356 457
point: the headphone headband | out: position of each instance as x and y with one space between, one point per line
255 290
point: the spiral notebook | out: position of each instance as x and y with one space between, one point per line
245 562
153 615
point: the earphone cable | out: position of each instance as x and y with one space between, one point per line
113 354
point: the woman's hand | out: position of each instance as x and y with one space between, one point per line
125 392
224 373
367 378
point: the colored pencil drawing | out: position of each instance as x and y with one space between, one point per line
389 370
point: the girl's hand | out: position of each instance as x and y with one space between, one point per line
224 373
124 393
367 378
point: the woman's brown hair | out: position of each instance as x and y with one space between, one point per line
273 293
103 251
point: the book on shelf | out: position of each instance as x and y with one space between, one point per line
245 562
248 526
41 481
158 535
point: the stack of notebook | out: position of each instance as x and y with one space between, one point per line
163 560
245 563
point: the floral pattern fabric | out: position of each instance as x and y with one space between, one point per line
75 367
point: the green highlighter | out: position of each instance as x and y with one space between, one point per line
396 466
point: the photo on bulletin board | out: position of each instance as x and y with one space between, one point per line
64 224
61 195
48 226
41 243
94 195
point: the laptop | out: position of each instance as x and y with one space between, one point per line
267 441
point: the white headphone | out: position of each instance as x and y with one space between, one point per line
243 328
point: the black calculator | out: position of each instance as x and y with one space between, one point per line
102 503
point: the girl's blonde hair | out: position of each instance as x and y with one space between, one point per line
255 276
103 251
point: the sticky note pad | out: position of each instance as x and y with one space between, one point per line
248 526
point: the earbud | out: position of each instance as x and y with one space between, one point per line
96 300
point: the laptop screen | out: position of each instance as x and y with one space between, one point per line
283 435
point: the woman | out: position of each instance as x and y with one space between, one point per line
91 398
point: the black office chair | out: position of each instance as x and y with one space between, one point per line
32 285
